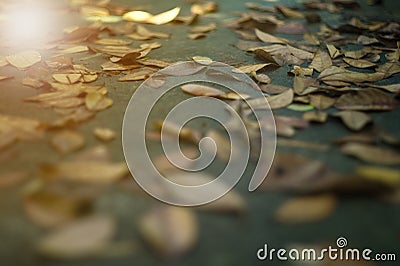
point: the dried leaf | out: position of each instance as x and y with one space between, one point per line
321 102
85 171
24 60
263 78
171 231
304 85
67 78
289 13
359 63
67 141
268 38
83 238
321 61
371 154
247 69
313 116
334 73
333 51
104 134
201 90
112 42
280 100
384 175
143 33
367 99
195 36
139 74
306 209
353 119
162 18
204 28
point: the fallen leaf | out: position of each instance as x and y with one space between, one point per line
201 90
289 13
371 154
335 73
381 174
268 38
247 69
112 42
367 99
83 238
354 120
204 28
67 78
321 61
359 63
67 141
263 78
333 51
304 85
321 102
195 36
171 231
24 60
104 134
280 100
143 33
306 209
162 18
85 171
313 116
139 74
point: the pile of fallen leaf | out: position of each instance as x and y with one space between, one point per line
336 74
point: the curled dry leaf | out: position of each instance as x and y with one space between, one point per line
333 51
112 42
201 90
263 78
335 73
162 18
143 33
304 85
204 28
321 61
289 13
96 101
268 38
371 154
139 74
314 116
321 102
195 36
85 171
24 60
367 99
83 238
171 231
354 120
281 100
247 69
359 63
104 134
67 78
302 71
67 141
385 175
306 209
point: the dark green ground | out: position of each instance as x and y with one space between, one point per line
224 240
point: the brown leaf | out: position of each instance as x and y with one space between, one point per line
139 74
67 141
247 69
304 85
204 28
333 51
314 116
353 119
162 18
359 63
83 238
263 78
371 154
321 102
195 36
321 61
143 33
367 99
104 134
112 42
24 60
280 100
201 90
67 78
171 231
268 38
85 171
306 209
335 73
289 13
